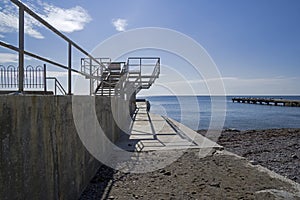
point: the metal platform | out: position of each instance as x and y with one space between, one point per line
110 78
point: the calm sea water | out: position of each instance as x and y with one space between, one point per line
196 112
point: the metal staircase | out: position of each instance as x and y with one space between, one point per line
113 78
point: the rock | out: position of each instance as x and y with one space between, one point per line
274 194
167 174
294 156
215 184
253 162
232 130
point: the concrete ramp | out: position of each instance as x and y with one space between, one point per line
151 132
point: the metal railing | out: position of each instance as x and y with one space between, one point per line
102 77
34 77
135 77
20 49
94 71
138 72
92 68
155 73
111 77
57 86
137 67
88 66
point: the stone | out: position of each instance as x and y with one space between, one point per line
167 174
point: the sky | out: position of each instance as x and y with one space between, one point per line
255 44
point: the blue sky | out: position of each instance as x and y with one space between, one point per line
255 44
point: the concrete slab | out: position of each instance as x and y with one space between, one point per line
151 132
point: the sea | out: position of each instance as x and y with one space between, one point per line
206 112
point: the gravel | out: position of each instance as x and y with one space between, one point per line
275 149
217 176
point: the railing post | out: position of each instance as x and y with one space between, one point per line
45 81
109 92
21 49
70 69
140 72
158 66
140 65
91 80
55 86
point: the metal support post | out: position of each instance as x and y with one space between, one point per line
45 81
21 49
55 86
91 79
70 69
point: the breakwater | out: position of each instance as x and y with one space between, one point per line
267 101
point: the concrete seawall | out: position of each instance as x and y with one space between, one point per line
42 157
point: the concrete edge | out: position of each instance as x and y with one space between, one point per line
220 150
199 139
272 174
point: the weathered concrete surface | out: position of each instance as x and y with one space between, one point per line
151 132
41 155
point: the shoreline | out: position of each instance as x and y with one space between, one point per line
275 149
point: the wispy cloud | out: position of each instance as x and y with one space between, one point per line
11 58
198 81
65 20
120 24
61 74
8 58
57 74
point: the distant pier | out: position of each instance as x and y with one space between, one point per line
267 101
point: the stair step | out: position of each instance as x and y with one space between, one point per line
136 79
134 72
115 73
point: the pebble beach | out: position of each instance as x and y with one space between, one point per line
220 175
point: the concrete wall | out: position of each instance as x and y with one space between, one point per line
41 155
